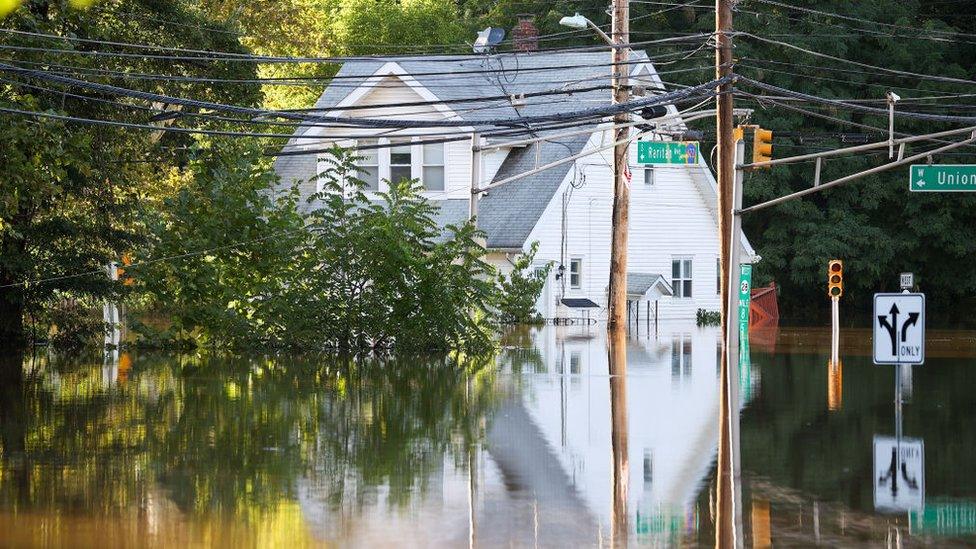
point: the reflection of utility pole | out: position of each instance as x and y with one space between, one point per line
619 430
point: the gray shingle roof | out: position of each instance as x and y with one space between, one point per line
508 213
639 283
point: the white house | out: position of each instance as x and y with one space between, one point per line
673 246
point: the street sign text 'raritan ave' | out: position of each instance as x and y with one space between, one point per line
667 152
899 328
945 178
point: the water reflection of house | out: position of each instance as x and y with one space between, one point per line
672 404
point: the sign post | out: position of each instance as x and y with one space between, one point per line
899 328
667 152
942 178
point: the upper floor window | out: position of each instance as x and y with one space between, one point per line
681 277
368 165
648 176
432 174
401 161
575 273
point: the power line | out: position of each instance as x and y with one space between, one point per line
858 63
364 122
914 30
856 107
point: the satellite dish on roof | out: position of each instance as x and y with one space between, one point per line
488 39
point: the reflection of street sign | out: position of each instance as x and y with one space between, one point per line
942 178
899 474
899 328
907 280
944 518
667 152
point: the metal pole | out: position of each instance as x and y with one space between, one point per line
849 178
834 330
621 187
475 176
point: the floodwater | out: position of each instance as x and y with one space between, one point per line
534 446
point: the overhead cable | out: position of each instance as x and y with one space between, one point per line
370 122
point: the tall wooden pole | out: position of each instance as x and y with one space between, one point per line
620 35
725 530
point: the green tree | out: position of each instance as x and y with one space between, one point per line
521 288
72 194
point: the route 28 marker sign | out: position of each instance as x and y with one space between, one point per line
899 328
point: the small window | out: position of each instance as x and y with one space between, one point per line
574 362
681 277
368 165
433 172
401 160
539 273
648 176
575 273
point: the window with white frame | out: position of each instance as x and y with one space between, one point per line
648 176
432 174
681 276
401 161
576 273
368 164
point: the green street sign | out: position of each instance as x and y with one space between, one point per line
745 362
942 178
667 152
944 518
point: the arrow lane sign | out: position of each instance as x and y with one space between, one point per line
899 329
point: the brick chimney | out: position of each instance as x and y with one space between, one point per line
525 34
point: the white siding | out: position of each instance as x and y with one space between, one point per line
393 91
670 218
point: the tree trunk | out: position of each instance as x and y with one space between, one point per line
11 317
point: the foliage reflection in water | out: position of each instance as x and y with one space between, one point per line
514 449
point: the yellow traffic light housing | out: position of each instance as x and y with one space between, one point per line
835 278
762 145
738 134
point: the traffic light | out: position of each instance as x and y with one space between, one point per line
835 278
762 145
738 134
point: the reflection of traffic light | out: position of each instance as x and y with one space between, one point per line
835 385
762 145
835 278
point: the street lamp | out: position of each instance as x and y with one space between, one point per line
620 93
581 22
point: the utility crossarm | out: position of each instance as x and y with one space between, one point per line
856 148
852 177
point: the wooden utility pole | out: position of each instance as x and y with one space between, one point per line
725 527
617 306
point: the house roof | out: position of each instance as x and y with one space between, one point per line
640 283
507 213
579 303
